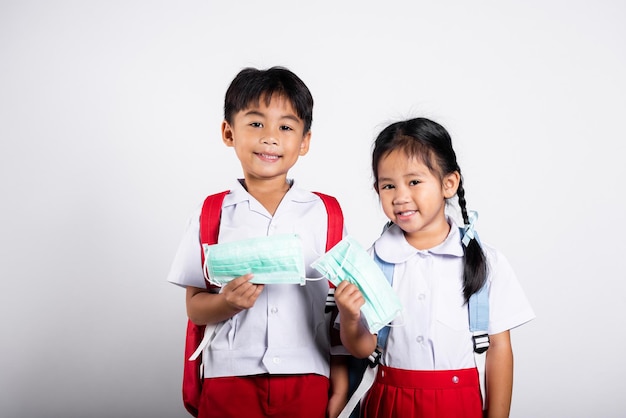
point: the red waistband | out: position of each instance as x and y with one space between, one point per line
427 379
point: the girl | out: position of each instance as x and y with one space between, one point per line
427 367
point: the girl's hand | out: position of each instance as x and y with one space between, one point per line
349 301
240 294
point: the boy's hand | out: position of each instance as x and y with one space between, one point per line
240 294
349 301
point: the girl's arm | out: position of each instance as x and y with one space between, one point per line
205 308
355 336
499 375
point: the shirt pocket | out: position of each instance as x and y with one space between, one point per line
452 312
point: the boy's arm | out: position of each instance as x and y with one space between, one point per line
338 385
205 308
355 336
499 375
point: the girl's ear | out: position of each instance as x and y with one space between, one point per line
451 184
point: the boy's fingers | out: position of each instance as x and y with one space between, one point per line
235 283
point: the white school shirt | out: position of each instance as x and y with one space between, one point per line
432 333
286 331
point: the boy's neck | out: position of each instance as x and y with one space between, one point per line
268 193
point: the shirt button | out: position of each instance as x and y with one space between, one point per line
455 379
274 310
276 360
420 339
421 296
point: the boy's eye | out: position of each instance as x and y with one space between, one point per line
285 128
256 124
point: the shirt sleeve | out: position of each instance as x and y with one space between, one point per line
508 305
186 269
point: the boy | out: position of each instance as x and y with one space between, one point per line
270 357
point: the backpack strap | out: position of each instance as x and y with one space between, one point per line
478 308
334 234
479 325
209 231
210 219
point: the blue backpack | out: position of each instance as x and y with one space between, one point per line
362 372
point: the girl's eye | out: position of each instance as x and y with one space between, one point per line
386 187
414 182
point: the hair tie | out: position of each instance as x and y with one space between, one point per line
468 229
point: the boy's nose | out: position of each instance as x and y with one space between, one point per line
269 139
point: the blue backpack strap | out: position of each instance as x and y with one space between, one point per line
479 326
479 313
383 333
387 269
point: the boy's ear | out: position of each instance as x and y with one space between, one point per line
305 144
227 134
451 184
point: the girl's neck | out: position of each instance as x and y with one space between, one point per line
427 239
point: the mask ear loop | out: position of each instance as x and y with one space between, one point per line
205 266
343 260
323 266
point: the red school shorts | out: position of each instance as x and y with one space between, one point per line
276 396
424 394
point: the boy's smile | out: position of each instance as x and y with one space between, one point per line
268 139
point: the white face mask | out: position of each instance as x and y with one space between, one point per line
349 261
274 259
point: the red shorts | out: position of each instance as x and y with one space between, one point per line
422 394
277 396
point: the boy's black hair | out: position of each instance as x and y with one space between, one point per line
431 143
251 84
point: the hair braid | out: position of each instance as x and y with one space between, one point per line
475 264
460 193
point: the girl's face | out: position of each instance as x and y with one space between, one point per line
414 198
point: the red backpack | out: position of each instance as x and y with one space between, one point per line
209 229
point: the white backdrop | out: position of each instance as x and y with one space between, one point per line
109 128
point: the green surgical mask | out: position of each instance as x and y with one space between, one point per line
273 259
349 261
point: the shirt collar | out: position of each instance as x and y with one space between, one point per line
393 247
239 194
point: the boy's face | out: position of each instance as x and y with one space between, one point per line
268 139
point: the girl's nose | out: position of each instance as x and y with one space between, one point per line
400 196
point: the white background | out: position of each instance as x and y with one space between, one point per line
109 128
